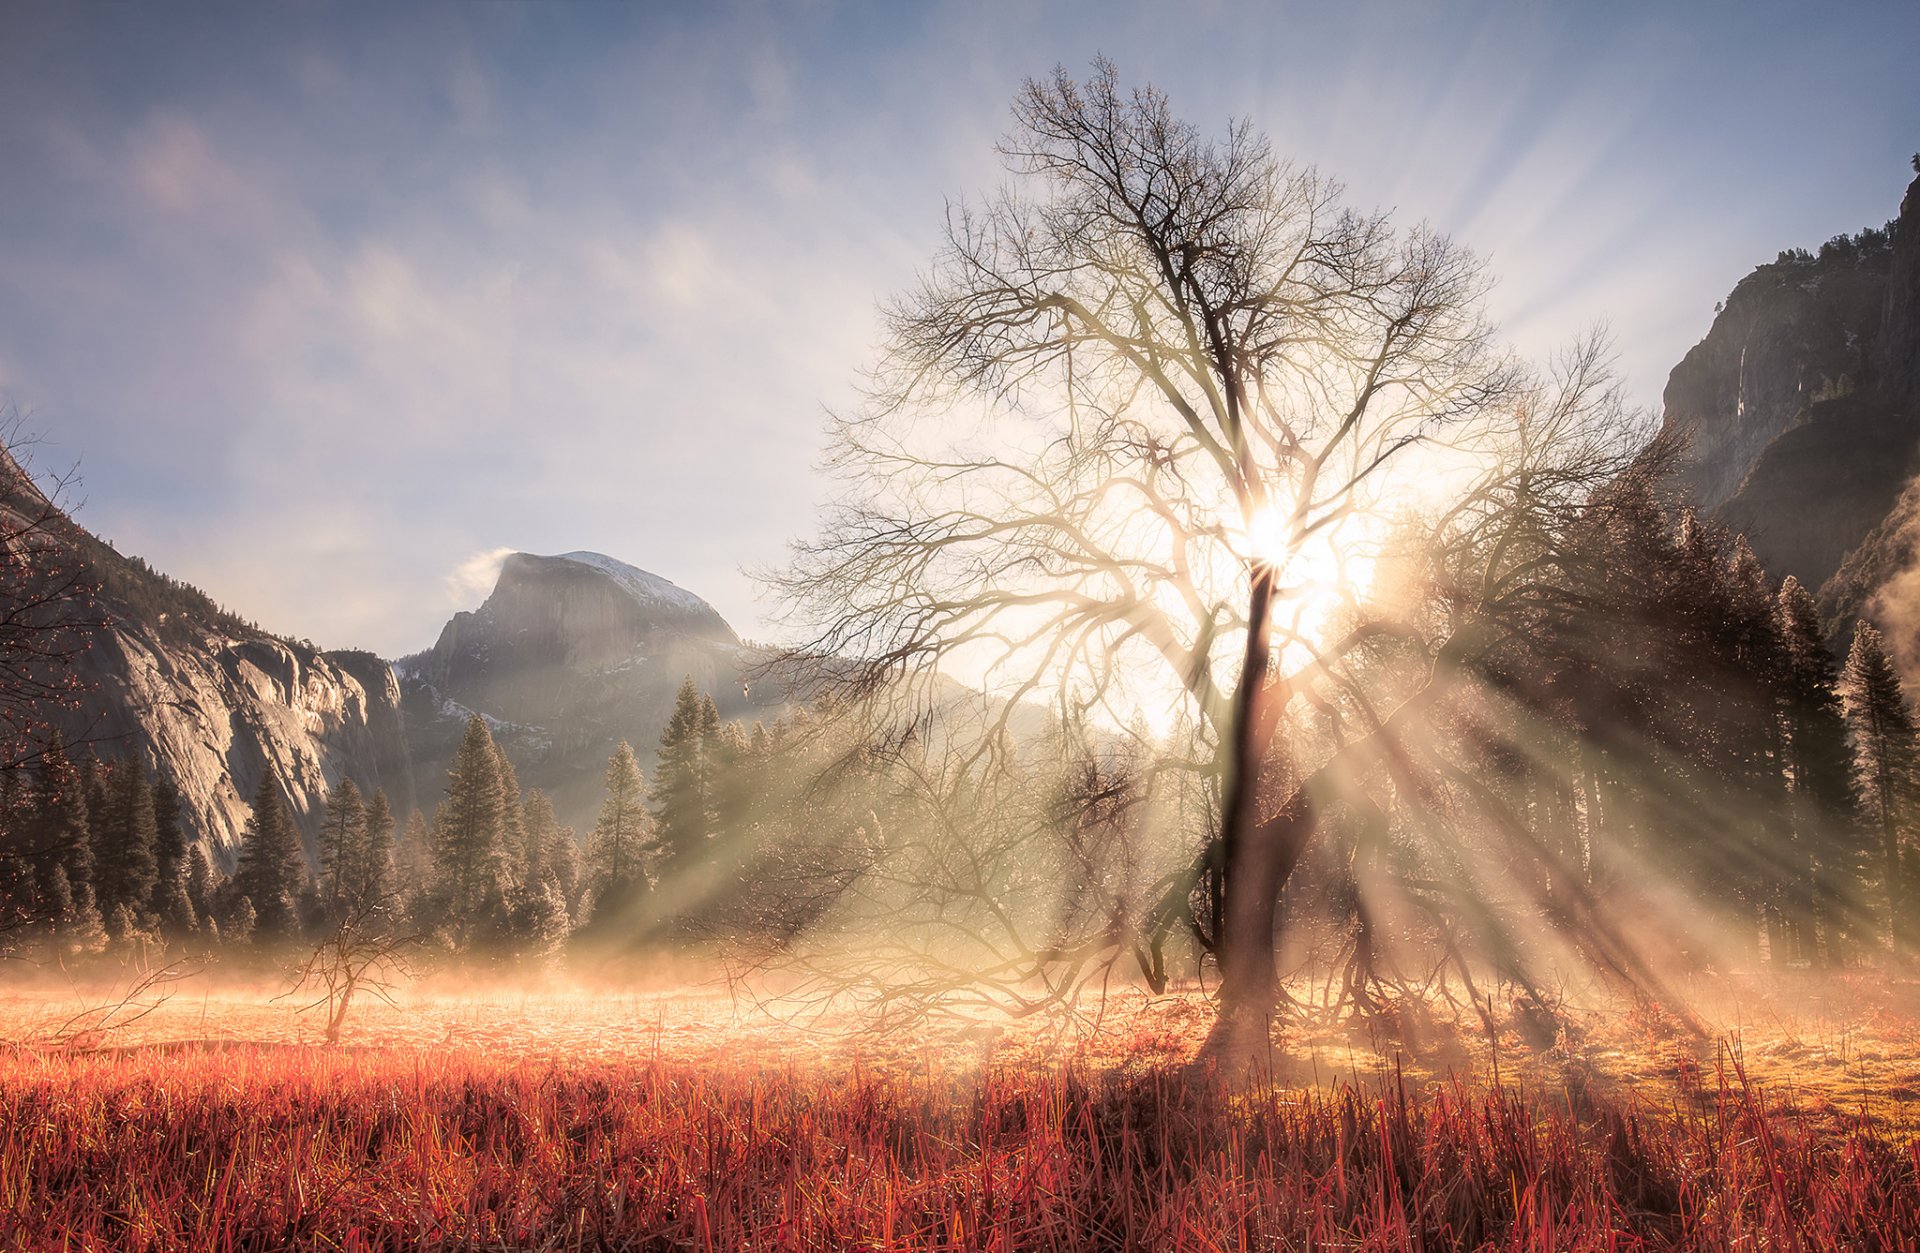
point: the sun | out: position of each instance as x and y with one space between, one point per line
1321 560
1319 573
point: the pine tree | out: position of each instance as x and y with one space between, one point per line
1716 679
617 849
271 871
470 856
239 921
681 792
123 925
172 903
19 892
540 918
93 785
558 850
413 858
343 839
123 840
1814 746
728 758
203 883
753 804
57 898
1886 765
62 844
375 877
169 832
513 826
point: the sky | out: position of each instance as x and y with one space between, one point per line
331 304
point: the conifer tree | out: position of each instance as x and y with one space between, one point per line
540 920
1716 678
535 817
20 905
754 785
566 867
124 925
470 856
1886 764
617 849
203 883
727 763
513 825
169 831
681 791
93 785
172 902
123 840
1814 745
343 839
271 870
413 856
375 876
57 899
238 923
558 850
62 844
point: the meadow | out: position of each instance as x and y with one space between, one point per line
576 1119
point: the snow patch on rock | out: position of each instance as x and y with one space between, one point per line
643 586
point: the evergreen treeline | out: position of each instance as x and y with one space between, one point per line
1649 747
1654 714
102 855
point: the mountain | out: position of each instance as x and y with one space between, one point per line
1800 412
211 701
569 655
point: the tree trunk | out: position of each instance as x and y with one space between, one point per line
339 1016
1268 855
1258 856
1890 850
1245 924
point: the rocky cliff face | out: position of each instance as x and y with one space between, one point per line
568 656
1801 410
1793 433
211 702
1900 358
213 713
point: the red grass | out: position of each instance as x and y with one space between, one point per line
258 1148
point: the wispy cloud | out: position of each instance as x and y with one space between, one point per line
473 578
339 303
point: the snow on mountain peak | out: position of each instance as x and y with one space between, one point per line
642 585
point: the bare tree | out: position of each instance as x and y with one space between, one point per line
48 619
1179 370
145 989
365 950
47 608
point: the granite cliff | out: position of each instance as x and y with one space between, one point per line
568 656
1801 415
210 701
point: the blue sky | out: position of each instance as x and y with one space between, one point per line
331 301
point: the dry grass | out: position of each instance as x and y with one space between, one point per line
664 1121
